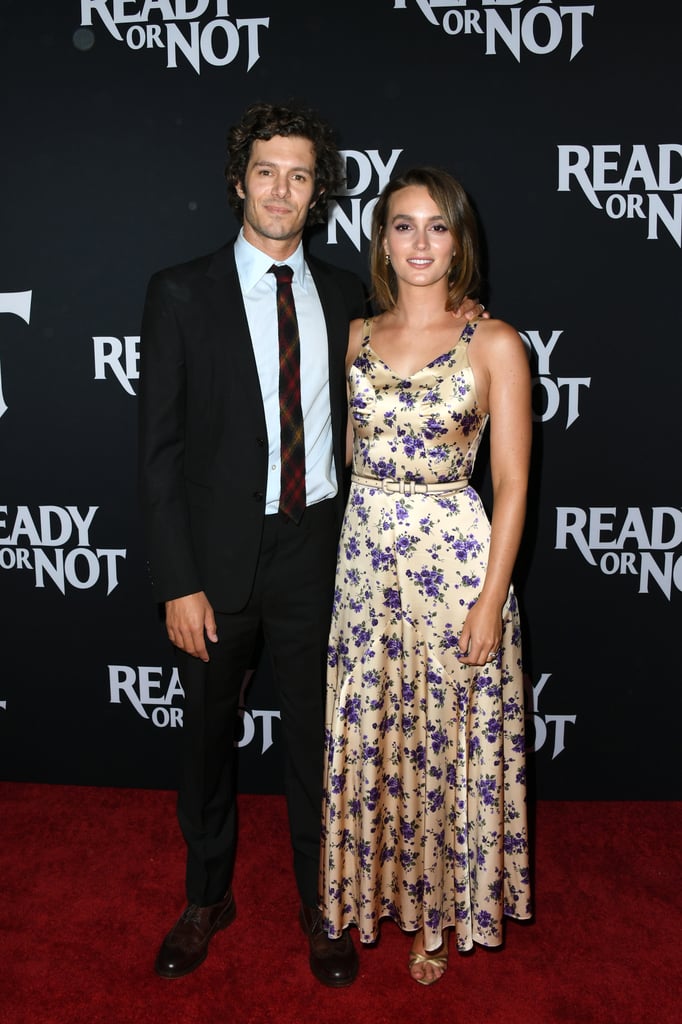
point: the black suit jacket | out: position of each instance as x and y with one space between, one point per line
203 445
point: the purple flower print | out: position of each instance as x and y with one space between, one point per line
409 721
387 724
484 919
433 428
393 646
351 711
416 889
406 829
518 741
412 446
487 789
515 844
352 548
383 469
449 638
361 635
405 398
428 580
439 740
439 453
391 598
371 798
381 559
347 840
417 757
436 799
494 729
403 544
338 783
433 919
465 547
470 581
394 786
364 853
469 422
442 360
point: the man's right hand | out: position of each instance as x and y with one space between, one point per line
188 620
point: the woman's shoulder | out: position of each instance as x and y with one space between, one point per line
358 330
497 335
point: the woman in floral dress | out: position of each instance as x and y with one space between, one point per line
424 812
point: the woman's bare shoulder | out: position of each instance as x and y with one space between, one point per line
497 337
356 333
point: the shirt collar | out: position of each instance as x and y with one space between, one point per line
253 264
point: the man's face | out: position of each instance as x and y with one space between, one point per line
278 191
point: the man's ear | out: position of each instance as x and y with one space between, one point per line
318 196
239 189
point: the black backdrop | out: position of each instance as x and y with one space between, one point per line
561 120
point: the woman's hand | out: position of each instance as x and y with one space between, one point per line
481 634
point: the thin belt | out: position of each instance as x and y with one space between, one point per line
389 486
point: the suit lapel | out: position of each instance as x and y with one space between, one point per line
234 356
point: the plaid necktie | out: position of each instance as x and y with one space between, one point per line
292 488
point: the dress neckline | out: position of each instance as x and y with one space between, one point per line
465 335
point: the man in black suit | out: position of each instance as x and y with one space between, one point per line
224 559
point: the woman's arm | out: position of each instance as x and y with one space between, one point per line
501 366
355 333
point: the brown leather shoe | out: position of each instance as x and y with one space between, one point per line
334 962
186 945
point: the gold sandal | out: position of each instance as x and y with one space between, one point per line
440 960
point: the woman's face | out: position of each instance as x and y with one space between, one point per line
417 239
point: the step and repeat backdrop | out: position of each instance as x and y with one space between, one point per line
561 119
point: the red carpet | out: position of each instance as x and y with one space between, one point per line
92 879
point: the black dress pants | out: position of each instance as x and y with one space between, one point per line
291 602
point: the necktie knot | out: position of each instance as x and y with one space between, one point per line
283 274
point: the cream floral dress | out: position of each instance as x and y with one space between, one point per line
424 793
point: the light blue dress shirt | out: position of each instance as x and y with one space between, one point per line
259 290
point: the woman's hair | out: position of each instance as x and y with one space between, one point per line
264 121
451 200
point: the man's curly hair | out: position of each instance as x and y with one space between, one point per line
265 120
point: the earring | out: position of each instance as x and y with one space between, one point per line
387 259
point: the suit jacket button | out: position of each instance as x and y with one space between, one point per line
258 495
260 441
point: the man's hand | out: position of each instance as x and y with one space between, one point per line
472 309
188 620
